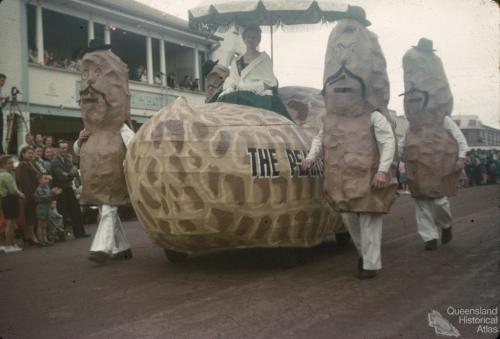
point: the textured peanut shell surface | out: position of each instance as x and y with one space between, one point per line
199 179
351 161
430 158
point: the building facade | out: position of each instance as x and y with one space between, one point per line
477 134
43 40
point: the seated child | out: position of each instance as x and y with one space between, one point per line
55 225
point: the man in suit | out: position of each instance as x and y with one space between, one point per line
63 173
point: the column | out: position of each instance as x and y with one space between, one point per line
163 65
90 30
107 35
197 74
39 33
149 60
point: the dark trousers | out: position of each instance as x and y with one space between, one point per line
69 207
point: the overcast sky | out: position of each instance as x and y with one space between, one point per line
465 33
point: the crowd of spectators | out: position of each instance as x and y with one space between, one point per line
50 59
482 167
38 197
187 83
140 73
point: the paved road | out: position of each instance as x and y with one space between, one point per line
56 293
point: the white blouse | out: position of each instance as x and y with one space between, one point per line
252 77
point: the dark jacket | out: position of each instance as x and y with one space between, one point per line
60 165
26 179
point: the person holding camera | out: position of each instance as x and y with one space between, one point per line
3 101
63 173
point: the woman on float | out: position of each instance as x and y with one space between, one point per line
251 80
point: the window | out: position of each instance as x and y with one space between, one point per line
63 47
131 48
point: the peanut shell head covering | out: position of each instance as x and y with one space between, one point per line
354 52
105 97
428 98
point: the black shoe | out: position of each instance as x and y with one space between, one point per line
360 264
446 235
367 274
81 236
431 245
98 257
123 255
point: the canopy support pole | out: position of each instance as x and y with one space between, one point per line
271 27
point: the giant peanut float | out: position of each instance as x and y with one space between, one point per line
218 176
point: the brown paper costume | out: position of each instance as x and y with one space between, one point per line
105 106
430 152
356 84
225 176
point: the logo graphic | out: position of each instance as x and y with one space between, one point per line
441 325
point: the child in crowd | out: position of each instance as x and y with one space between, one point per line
43 196
55 223
10 195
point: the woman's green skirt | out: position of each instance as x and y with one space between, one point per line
248 98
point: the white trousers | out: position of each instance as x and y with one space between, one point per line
432 214
110 237
366 233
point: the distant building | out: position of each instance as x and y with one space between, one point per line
477 134
42 41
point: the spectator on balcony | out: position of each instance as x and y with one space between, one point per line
51 60
141 74
33 55
186 82
195 85
172 80
158 77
